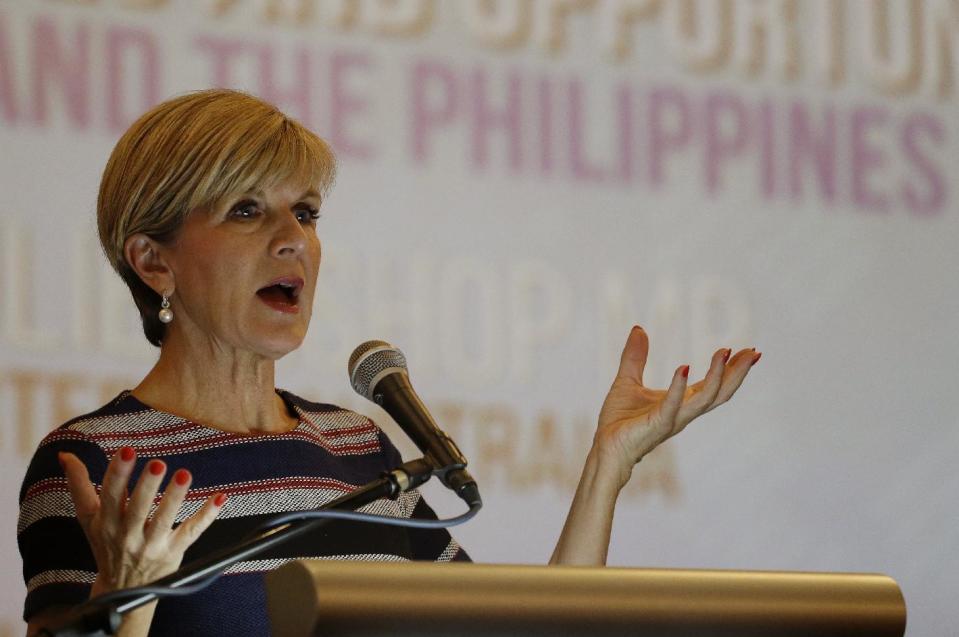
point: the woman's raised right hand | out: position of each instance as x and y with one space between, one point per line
131 546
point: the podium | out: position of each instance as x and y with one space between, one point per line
370 599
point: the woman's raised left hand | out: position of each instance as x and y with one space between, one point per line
635 419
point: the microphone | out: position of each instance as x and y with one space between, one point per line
378 373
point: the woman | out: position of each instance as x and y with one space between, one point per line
207 209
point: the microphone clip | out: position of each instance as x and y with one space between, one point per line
409 475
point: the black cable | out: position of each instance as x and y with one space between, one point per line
356 516
160 591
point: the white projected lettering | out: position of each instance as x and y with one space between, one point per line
19 306
767 36
96 313
477 324
540 451
688 318
541 303
34 402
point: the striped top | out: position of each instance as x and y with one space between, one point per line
330 452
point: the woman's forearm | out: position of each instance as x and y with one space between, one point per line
137 623
585 537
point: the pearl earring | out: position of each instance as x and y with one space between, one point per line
165 314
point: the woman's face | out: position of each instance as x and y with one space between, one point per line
245 270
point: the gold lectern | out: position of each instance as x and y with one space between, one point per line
313 597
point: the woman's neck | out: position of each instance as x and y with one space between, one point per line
216 386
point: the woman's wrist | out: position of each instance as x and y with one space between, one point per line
607 468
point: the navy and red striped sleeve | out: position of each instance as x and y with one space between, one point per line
58 565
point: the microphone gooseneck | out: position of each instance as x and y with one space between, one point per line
378 372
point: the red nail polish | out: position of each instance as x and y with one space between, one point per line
127 454
756 359
181 477
726 355
219 499
156 467
685 371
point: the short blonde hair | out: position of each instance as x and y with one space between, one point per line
191 152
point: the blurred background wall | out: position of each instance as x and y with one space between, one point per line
520 183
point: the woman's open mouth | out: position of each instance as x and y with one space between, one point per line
282 294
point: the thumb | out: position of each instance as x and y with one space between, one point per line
632 362
84 494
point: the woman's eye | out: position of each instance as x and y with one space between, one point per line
307 215
245 210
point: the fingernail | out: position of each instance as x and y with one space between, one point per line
181 477
60 460
726 355
156 467
126 454
685 371
756 359
219 499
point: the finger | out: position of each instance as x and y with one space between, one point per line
194 526
706 390
632 362
113 493
170 504
84 494
735 374
669 409
144 494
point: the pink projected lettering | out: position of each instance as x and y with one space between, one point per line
868 160
61 63
930 199
540 123
670 137
766 158
583 168
221 52
8 101
127 46
293 78
296 96
347 107
668 129
446 101
545 127
627 137
435 104
806 146
726 134
487 119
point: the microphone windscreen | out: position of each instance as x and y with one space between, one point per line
368 361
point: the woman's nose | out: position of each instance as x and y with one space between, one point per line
290 238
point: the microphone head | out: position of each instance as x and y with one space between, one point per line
370 362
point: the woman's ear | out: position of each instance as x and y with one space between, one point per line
144 256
